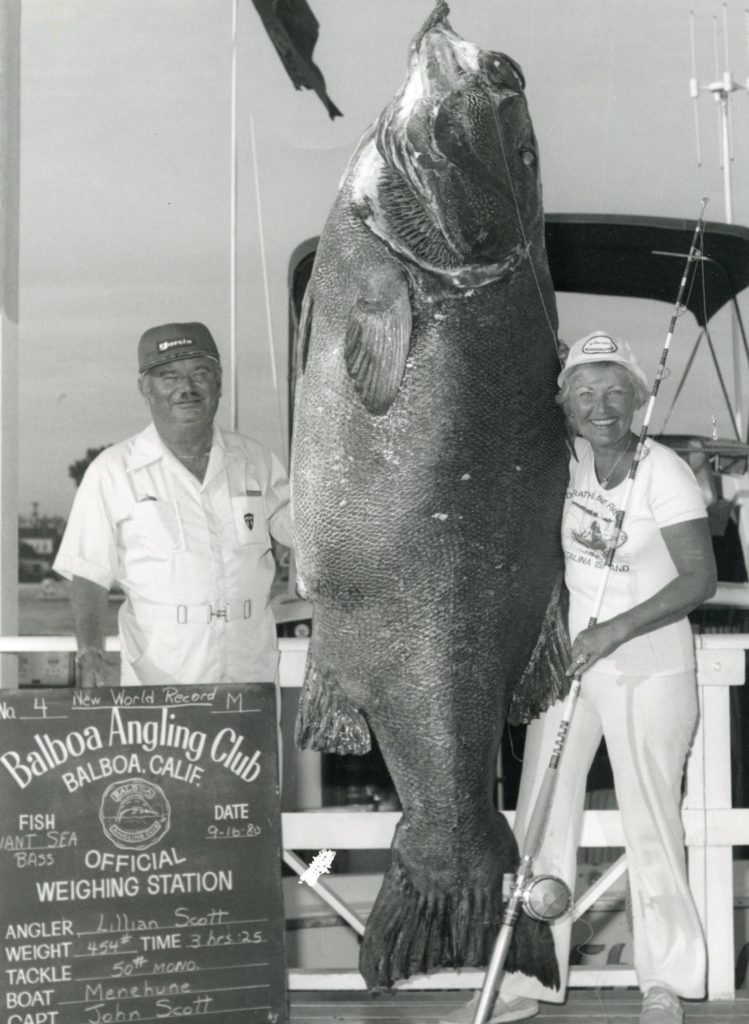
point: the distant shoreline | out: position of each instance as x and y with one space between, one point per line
44 609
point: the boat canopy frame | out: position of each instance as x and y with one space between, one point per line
643 258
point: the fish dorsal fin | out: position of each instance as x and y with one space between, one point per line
378 337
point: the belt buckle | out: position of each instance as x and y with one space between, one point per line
218 613
181 614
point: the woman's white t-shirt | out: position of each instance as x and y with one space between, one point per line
665 493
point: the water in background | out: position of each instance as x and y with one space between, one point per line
44 610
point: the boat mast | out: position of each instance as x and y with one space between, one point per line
722 87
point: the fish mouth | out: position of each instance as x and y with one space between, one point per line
442 56
438 17
438 54
448 146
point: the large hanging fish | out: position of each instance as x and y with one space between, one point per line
428 475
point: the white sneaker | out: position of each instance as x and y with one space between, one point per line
503 1011
661 1006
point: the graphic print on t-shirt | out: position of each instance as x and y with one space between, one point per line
590 523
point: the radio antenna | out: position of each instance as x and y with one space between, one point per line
721 88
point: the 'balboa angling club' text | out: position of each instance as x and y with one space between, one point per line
226 748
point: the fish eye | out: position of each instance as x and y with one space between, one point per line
528 157
500 71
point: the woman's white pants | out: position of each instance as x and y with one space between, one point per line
648 725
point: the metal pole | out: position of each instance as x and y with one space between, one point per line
726 154
233 403
10 146
725 91
721 88
738 399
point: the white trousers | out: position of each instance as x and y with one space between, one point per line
648 724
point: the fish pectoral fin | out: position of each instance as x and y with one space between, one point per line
378 338
545 678
327 720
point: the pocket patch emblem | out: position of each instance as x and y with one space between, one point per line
249 518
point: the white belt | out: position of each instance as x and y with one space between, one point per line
184 613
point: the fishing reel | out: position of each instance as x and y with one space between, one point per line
542 897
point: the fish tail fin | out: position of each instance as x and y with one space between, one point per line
327 720
411 932
544 680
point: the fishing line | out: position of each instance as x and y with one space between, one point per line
710 368
514 752
715 375
526 243
266 283
523 880
583 941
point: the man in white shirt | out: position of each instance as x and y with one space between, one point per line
180 516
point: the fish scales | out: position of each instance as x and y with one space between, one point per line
428 474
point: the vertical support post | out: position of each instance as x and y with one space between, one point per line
709 789
10 78
233 394
727 160
721 88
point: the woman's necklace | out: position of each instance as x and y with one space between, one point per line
604 480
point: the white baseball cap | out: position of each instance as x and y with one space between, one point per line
600 347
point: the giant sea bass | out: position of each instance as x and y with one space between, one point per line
428 474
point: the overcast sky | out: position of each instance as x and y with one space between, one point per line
126 160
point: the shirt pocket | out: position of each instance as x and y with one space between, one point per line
249 520
158 527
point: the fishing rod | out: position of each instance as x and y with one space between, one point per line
546 898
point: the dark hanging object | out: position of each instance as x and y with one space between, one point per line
293 30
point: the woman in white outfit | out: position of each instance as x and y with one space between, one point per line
638 684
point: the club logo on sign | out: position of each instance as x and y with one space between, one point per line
134 814
249 519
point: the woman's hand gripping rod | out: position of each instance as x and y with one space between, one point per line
523 879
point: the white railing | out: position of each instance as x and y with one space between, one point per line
712 827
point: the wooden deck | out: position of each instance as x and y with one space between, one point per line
597 1006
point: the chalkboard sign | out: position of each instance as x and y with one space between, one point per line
140 844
